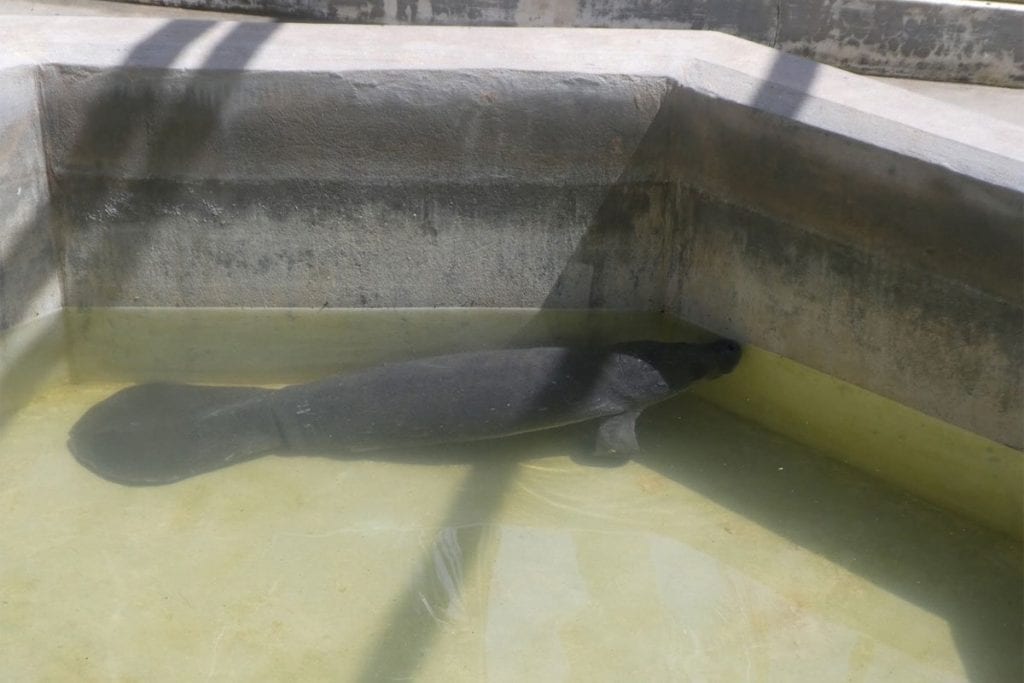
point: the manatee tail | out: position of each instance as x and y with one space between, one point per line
154 434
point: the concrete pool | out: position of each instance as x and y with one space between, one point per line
262 204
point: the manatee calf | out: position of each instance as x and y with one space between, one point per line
160 433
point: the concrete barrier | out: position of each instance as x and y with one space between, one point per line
847 225
958 40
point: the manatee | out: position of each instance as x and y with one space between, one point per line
158 433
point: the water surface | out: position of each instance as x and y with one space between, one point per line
725 553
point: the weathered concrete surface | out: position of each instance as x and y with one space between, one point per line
752 19
31 334
113 8
474 188
1005 104
29 283
962 40
848 225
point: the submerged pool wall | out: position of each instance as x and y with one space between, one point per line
846 225
30 290
29 287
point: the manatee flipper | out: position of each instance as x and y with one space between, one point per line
160 433
616 436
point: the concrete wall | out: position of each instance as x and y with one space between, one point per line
29 282
976 42
380 189
812 243
31 336
962 40
844 224
542 190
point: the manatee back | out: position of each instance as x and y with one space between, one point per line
463 397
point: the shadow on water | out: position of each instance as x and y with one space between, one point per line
951 568
944 566
632 227
409 626
160 433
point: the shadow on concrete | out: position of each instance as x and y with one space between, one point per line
925 556
131 119
113 130
934 560
642 219
946 566
632 227
784 90
606 259
157 51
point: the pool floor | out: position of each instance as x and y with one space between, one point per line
724 553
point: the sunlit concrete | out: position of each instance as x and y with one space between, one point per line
854 227
860 240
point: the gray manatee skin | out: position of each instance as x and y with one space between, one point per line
160 433
487 394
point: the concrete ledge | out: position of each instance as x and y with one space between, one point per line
844 224
959 40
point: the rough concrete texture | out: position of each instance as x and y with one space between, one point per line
113 8
962 40
848 225
1005 104
974 42
29 286
31 339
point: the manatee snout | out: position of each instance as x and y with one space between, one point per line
726 355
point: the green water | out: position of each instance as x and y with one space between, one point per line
726 552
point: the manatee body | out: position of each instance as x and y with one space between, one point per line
158 433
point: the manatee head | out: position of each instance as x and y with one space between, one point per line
722 355
680 364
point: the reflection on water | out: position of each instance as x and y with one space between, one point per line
723 552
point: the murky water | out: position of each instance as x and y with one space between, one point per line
724 553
